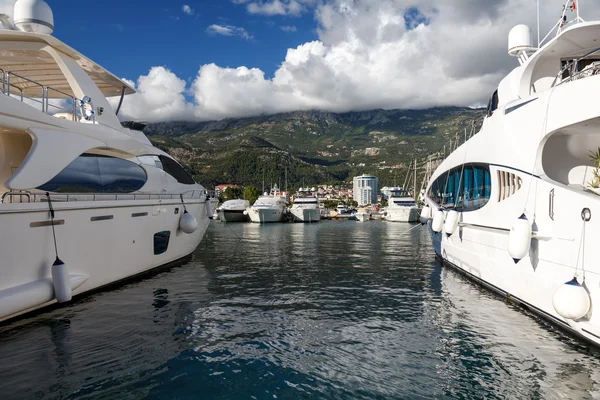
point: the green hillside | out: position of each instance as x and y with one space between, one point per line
313 146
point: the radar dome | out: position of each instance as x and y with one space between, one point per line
519 40
34 16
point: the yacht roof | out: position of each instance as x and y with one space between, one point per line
573 42
39 66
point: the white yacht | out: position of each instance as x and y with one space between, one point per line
269 207
341 209
362 215
306 209
85 200
516 207
234 211
401 207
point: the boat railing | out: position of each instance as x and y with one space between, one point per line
38 197
49 99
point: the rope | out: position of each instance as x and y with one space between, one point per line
581 252
414 227
544 126
52 220
181 197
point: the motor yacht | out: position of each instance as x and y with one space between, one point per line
305 209
269 207
86 201
516 207
234 211
401 207
362 215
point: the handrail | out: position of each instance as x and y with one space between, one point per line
3 81
77 113
20 194
38 197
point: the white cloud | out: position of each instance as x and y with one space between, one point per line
370 54
6 7
228 30
188 10
288 28
160 96
276 7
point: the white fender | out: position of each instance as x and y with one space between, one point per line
61 281
438 220
571 300
451 222
188 223
425 215
519 238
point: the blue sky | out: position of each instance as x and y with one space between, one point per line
128 37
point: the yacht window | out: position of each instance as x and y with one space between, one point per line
405 203
492 104
90 173
173 168
152 161
464 188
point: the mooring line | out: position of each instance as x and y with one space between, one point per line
414 227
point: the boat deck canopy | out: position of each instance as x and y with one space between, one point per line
30 67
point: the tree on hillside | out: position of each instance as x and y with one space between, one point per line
251 194
352 203
232 193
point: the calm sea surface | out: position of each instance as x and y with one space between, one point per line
334 310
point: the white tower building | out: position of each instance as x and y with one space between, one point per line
365 189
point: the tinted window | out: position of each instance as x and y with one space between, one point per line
97 174
152 161
492 104
173 168
465 188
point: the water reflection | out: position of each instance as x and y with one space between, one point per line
328 310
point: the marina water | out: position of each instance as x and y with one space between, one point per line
332 310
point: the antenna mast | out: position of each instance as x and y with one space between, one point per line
538 23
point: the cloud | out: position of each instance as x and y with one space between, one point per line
6 7
288 28
228 30
160 96
276 7
369 54
188 10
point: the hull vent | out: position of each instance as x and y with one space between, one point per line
508 184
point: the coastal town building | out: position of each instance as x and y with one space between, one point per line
221 188
365 189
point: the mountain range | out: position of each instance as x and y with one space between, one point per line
311 147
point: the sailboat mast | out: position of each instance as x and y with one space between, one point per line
415 181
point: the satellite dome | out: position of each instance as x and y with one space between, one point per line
519 40
34 16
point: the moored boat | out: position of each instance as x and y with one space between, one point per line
402 207
268 208
234 211
86 200
516 206
305 209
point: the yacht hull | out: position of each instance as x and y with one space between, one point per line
233 216
479 248
100 243
266 215
402 214
305 214
362 217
